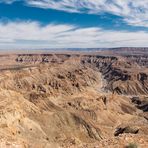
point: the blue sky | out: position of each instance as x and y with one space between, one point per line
73 23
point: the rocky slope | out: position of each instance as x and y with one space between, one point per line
123 76
72 100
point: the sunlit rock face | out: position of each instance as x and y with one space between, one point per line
73 100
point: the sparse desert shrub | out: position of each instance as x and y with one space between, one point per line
132 145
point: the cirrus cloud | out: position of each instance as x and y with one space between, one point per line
133 12
33 35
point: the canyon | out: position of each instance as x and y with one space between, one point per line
74 99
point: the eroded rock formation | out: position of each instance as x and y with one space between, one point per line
72 100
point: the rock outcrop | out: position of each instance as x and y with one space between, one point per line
72 100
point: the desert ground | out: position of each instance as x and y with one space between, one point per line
95 99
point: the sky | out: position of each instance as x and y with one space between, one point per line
35 24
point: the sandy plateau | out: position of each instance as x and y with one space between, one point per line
74 100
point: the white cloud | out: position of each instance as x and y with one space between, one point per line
134 12
8 1
33 35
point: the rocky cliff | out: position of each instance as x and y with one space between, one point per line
72 100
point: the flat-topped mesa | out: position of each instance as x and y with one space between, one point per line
54 79
140 60
123 75
42 58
